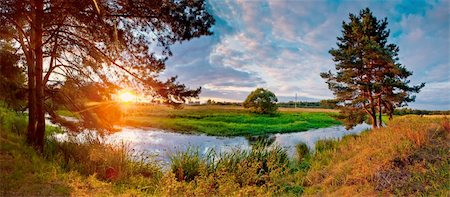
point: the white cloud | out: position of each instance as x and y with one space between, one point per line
283 46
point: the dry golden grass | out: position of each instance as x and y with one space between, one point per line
409 157
436 116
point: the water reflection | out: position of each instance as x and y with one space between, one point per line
310 137
162 143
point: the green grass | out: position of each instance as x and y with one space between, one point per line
228 121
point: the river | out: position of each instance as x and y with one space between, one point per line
161 143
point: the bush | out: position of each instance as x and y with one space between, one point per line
13 121
302 151
261 101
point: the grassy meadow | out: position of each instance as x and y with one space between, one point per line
227 120
408 157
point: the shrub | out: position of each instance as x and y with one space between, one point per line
261 101
186 164
302 151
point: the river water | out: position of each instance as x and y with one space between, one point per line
161 143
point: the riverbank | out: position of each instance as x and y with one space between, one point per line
409 157
227 120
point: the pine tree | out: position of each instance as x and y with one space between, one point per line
369 78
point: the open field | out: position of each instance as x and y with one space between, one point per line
228 120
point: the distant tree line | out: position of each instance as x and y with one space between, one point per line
300 104
326 104
406 111
213 102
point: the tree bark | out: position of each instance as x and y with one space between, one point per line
31 103
40 112
373 112
31 130
374 120
380 122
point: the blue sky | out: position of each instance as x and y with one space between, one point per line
283 46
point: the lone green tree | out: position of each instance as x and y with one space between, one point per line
261 101
118 42
369 79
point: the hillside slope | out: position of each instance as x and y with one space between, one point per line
409 157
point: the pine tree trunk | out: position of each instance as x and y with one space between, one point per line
374 120
380 122
31 103
40 112
373 113
31 130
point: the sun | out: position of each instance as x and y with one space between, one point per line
126 96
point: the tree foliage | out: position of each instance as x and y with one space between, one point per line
12 79
261 101
369 78
115 42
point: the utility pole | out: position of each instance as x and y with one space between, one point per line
295 103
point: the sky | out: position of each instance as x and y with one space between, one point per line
283 46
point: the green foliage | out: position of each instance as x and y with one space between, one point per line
12 79
302 151
13 121
261 101
369 77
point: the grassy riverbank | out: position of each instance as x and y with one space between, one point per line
228 120
409 157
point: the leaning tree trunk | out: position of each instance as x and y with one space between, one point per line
40 112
